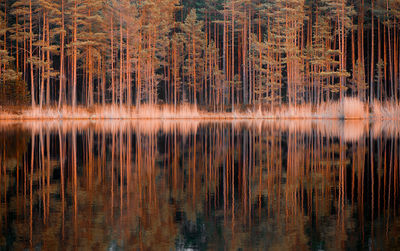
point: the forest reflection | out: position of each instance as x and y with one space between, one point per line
293 185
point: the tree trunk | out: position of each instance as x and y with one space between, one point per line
342 55
112 62
43 61
128 70
390 53
233 56
48 63
31 53
61 87
74 58
371 94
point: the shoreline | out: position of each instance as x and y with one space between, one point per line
350 109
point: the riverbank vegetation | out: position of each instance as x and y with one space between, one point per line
350 108
214 58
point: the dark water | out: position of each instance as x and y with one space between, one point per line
174 185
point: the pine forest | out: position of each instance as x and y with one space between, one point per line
218 56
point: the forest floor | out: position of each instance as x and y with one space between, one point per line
351 108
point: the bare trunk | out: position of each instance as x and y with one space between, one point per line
74 58
112 62
48 63
43 60
31 53
233 56
371 94
121 61
61 87
128 70
390 53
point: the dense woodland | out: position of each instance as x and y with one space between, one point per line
212 53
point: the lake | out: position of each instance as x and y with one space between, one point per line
199 185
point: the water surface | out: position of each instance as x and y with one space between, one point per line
174 185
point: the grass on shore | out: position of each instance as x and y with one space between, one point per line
351 108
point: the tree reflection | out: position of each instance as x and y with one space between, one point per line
179 184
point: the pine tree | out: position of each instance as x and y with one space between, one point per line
90 37
156 22
74 47
6 73
339 12
177 42
62 32
20 10
379 77
13 89
359 80
194 44
51 14
324 60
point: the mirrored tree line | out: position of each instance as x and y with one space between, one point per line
214 53
262 180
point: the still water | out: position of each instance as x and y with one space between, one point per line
175 185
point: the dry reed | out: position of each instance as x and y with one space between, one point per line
349 108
